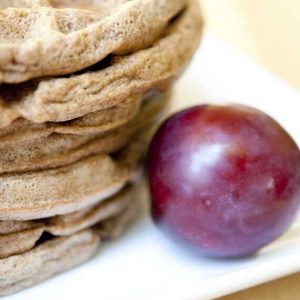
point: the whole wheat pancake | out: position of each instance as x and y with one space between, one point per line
15 241
52 257
61 149
113 227
19 242
22 131
109 116
61 99
59 254
43 41
45 193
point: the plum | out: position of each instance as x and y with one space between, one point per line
223 179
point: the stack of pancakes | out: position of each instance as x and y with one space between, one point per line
81 84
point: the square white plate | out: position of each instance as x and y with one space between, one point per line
146 265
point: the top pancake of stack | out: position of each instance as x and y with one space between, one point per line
53 40
120 47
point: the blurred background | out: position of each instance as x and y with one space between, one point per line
266 30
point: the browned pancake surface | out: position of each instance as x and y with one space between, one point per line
44 40
17 237
61 99
59 254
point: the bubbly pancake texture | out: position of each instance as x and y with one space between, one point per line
65 98
54 39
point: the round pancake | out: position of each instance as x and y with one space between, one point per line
61 99
59 254
52 257
15 241
41 194
109 116
58 150
44 41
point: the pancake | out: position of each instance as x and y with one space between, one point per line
46 193
109 116
52 257
44 41
113 227
61 149
7 227
99 122
59 254
65 98
14 240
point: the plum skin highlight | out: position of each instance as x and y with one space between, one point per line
223 179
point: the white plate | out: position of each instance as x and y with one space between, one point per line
146 265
